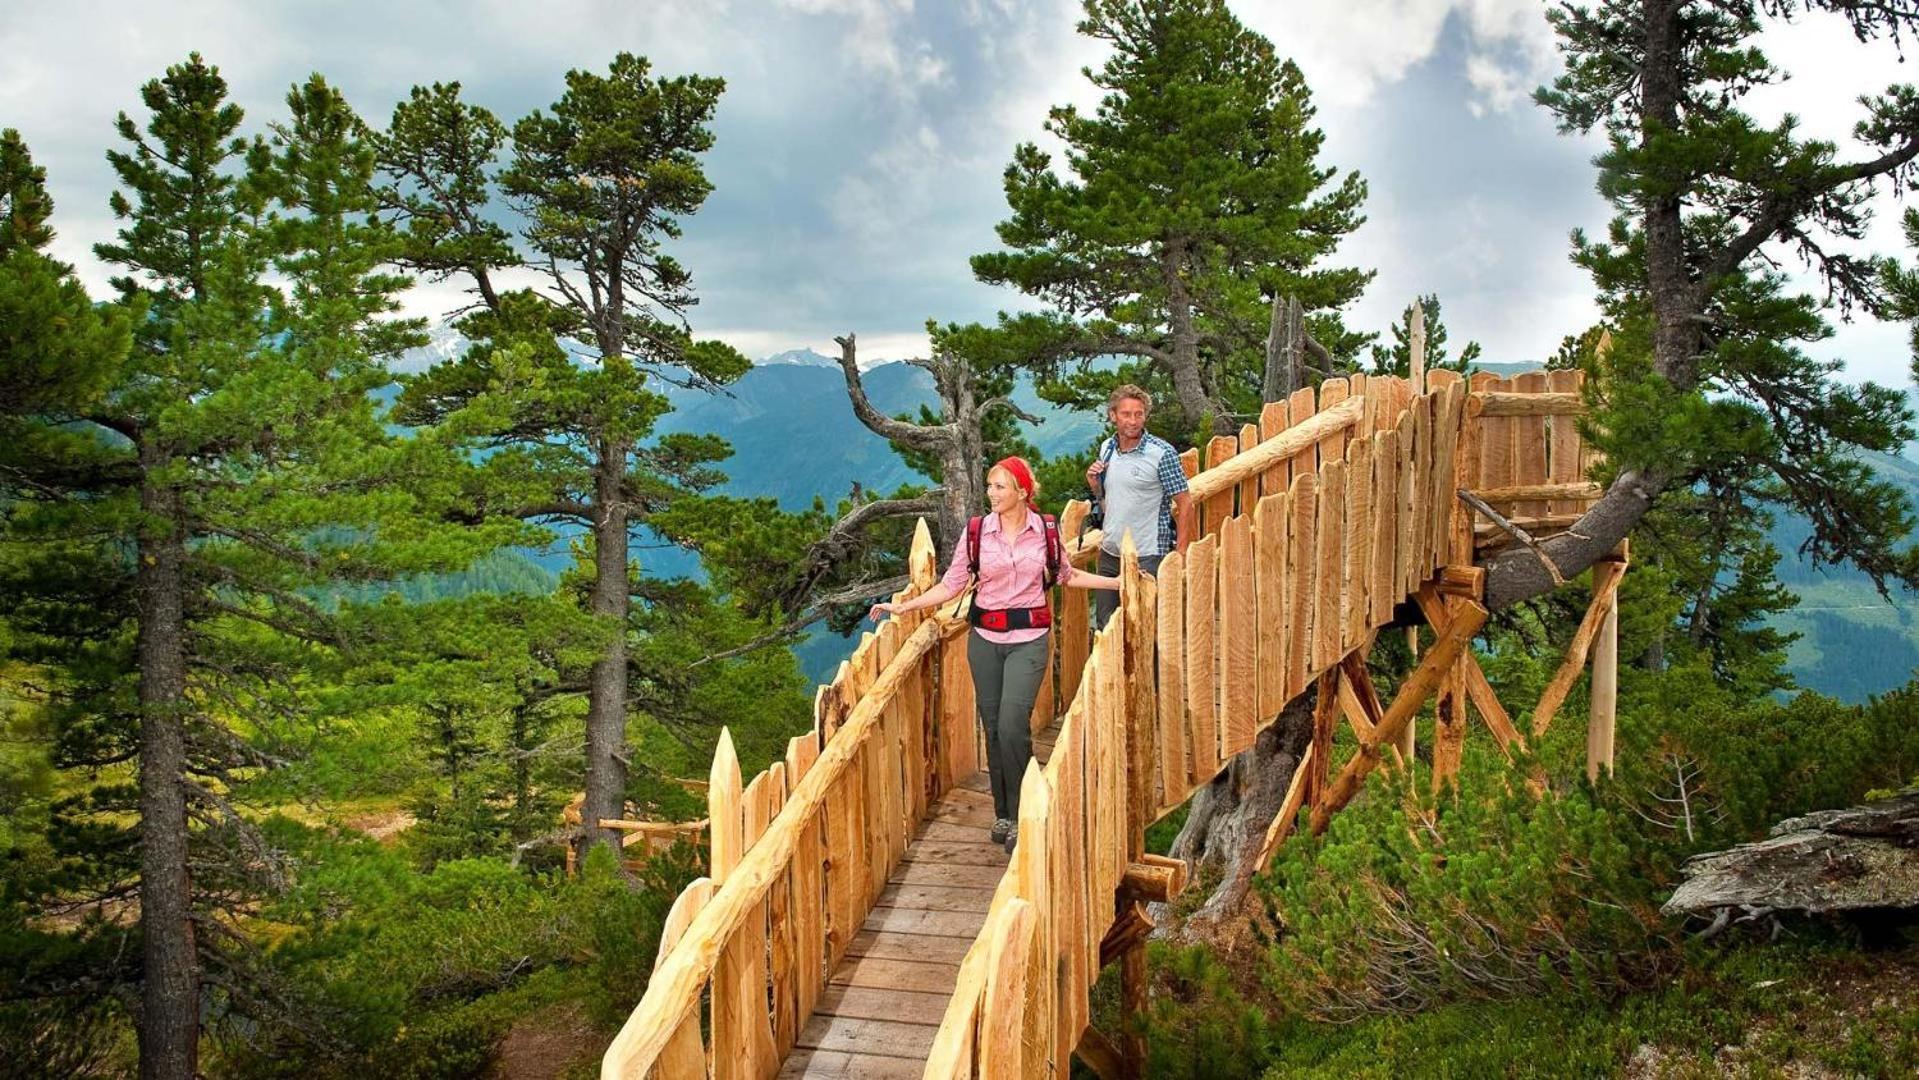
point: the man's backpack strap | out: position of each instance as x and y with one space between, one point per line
1055 551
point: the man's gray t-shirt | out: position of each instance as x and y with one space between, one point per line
1139 486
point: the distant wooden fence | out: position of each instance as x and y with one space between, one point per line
1316 524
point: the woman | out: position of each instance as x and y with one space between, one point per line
1008 663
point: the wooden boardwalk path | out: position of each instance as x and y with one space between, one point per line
1329 521
881 1008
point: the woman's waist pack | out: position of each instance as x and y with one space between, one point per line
1037 618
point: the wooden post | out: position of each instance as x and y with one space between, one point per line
1416 346
1406 740
1136 653
1605 691
1413 693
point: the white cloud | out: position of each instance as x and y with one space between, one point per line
1350 48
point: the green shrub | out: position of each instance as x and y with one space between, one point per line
414 974
1400 906
1198 1025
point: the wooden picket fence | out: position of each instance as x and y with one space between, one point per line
1316 525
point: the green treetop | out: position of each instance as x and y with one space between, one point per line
1709 376
555 388
1190 199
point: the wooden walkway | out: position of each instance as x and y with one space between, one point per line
878 1014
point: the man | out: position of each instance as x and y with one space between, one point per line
1141 490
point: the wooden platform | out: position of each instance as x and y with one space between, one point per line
880 1010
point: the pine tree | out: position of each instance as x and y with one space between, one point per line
183 501
1193 199
1397 359
555 389
1708 377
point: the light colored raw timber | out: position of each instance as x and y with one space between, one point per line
856 919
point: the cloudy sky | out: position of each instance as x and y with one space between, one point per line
860 142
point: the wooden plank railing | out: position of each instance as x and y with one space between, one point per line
799 855
1316 525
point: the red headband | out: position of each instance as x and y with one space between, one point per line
1022 475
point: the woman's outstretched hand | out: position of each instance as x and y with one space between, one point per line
884 608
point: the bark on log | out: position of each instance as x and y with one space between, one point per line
1226 825
1860 859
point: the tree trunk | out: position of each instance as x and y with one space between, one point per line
1285 348
170 1003
606 683
1188 386
1227 822
962 464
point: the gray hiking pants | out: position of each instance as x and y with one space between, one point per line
1005 683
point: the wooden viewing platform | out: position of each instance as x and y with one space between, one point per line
857 921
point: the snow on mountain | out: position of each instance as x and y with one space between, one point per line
443 343
801 357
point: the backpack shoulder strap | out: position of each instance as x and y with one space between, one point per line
1055 550
972 544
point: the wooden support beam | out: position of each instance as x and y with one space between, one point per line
1449 718
1606 577
656 828
1099 1054
1282 825
1509 403
1325 725
1153 879
1579 489
1130 929
1478 689
1467 620
1605 691
1360 702
1468 582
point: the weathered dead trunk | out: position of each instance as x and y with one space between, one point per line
1227 822
957 441
606 682
1285 350
1860 859
170 1001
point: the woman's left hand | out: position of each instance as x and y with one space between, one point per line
884 608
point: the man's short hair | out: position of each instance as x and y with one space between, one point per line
1128 390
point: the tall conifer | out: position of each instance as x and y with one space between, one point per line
184 507
1191 197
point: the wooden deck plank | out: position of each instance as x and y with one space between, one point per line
981 852
970 876
868 1038
833 1063
964 924
862 1002
898 945
955 832
882 974
936 898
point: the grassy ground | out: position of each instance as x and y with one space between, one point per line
1792 1010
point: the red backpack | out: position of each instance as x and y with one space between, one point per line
1018 618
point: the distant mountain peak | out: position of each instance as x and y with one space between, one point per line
801 358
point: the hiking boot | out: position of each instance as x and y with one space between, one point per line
1000 830
1012 839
